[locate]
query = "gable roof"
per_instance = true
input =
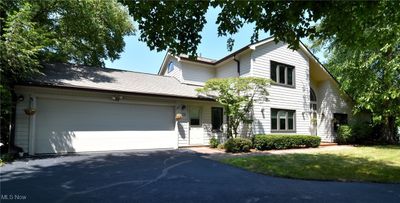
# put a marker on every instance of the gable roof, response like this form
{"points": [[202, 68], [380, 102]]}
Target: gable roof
{"points": [[66, 75], [208, 61], [251, 46]]}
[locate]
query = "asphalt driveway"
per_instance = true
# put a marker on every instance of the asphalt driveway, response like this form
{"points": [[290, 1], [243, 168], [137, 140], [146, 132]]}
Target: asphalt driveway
{"points": [[168, 176]]}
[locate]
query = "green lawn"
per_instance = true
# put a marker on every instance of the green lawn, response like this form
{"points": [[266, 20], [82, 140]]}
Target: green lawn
{"points": [[371, 164]]}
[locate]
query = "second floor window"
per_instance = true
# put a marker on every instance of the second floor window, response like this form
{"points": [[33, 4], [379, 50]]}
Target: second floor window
{"points": [[313, 100], [282, 73], [170, 66]]}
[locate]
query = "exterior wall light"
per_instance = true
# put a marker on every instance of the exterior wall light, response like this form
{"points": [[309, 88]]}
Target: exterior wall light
{"points": [[178, 117], [30, 111], [117, 98]]}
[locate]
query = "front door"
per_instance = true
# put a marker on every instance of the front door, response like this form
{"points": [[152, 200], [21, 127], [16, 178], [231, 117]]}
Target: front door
{"points": [[196, 131]]}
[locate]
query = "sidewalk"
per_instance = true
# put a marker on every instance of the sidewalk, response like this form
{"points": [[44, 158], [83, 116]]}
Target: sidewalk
{"points": [[221, 154]]}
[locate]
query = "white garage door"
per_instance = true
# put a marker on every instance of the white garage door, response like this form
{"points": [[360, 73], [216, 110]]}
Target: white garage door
{"points": [[78, 126]]}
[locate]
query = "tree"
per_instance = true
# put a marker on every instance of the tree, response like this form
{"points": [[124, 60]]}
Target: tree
{"points": [[84, 32], [368, 67], [176, 25], [31, 32], [372, 78], [363, 26], [237, 95]]}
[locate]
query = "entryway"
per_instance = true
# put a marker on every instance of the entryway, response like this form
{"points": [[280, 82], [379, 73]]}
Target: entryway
{"points": [[196, 131]]}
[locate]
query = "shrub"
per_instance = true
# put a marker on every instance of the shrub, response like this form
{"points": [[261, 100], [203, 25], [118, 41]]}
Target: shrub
{"points": [[7, 157], [220, 146], [214, 142], [235, 145], [344, 135], [361, 133], [356, 133], [266, 142]]}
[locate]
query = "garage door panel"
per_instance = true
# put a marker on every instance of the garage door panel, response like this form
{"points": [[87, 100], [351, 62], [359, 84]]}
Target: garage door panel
{"points": [[75, 126], [104, 116]]}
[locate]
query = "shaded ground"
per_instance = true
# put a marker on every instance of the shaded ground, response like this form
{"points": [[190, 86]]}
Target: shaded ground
{"points": [[168, 176]]}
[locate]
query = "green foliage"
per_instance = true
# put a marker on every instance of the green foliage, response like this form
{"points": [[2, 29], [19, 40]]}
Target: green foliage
{"points": [[366, 62], [85, 32], [237, 95], [267, 142], [220, 146], [7, 157], [235, 145], [355, 133], [344, 135], [374, 164], [288, 21], [214, 142], [172, 25], [363, 133]]}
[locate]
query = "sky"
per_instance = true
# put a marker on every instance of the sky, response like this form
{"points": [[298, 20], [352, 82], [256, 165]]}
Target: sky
{"points": [[138, 57]]}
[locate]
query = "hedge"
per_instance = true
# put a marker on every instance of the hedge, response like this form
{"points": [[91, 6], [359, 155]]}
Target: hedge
{"points": [[266, 142], [235, 145]]}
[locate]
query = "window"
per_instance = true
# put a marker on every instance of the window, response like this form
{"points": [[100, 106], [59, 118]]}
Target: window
{"points": [[282, 73], [313, 100], [338, 120], [216, 118], [194, 115], [283, 120], [170, 66]]}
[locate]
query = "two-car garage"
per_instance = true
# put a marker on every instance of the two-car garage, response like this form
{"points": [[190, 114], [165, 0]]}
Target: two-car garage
{"points": [[63, 125]]}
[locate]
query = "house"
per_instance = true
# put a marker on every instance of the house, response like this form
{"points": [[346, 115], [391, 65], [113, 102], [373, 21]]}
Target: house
{"points": [[74, 108]]}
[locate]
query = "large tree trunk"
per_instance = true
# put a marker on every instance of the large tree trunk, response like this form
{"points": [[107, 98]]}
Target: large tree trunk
{"points": [[389, 135]]}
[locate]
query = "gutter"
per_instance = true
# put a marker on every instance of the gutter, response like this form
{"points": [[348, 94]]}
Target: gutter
{"points": [[70, 87]]}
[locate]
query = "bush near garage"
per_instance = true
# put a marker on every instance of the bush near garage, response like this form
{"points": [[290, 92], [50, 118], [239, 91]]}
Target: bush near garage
{"points": [[267, 142], [236, 145]]}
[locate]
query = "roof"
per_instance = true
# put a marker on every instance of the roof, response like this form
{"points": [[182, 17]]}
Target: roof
{"points": [[250, 46], [209, 61], [105, 79]]}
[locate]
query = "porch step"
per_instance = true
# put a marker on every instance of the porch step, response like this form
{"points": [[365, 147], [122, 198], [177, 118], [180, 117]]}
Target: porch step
{"points": [[324, 144]]}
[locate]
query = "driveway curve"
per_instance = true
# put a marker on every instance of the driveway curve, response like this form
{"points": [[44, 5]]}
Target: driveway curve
{"points": [[167, 176]]}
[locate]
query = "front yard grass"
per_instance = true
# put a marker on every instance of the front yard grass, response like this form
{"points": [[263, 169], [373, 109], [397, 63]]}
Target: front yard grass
{"points": [[370, 164]]}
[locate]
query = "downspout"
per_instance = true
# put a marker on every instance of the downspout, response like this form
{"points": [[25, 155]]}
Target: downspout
{"points": [[238, 64], [12, 147]]}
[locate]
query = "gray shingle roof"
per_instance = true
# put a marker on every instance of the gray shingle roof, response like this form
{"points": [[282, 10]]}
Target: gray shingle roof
{"points": [[76, 76]]}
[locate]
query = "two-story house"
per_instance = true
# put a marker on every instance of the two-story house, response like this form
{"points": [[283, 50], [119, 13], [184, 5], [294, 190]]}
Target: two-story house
{"points": [[74, 108]]}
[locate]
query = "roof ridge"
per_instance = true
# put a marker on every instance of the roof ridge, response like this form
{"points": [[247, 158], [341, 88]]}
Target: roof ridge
{"points": [[217, 61]]}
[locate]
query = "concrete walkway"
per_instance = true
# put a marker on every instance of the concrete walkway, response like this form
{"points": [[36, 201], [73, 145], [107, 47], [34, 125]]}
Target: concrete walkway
{"points": [[221, 154]]}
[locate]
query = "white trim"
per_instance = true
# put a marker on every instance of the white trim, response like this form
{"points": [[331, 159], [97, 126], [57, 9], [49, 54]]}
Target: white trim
{"points": [[99, 99], [261, 43], [32, 126]]}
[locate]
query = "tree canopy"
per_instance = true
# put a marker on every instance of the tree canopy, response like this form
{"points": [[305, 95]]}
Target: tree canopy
{"points": [[83, 32], [176, 25], [369, 68], [237, 95]]}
